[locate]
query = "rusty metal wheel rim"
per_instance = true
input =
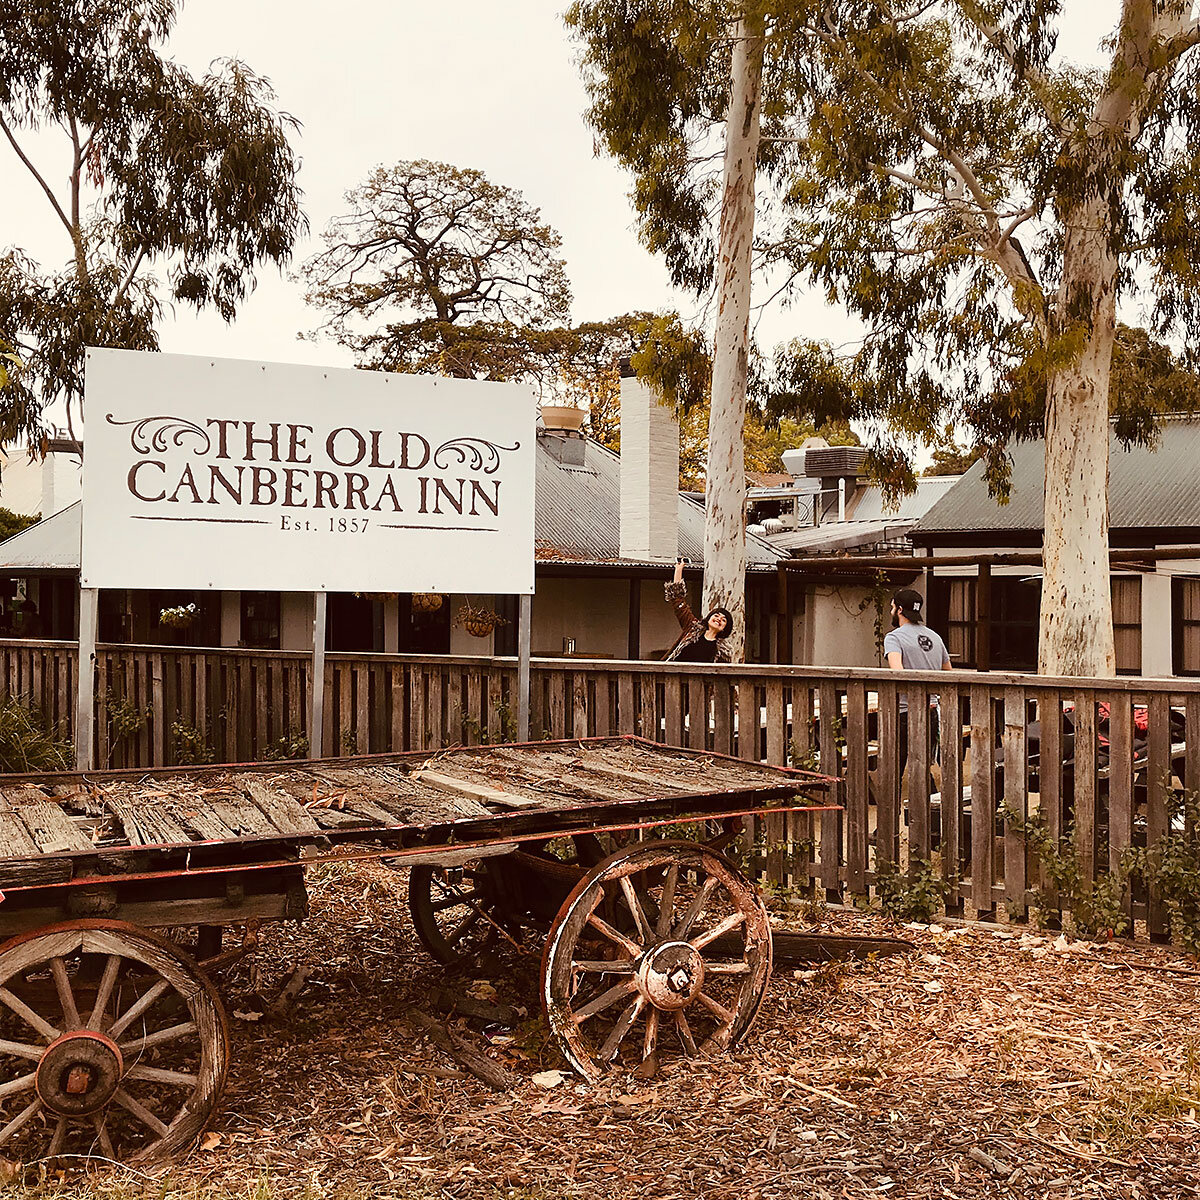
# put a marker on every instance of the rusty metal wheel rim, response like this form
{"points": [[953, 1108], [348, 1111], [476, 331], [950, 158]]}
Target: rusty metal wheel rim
{"points": [[684, 945], [100, 1073]]}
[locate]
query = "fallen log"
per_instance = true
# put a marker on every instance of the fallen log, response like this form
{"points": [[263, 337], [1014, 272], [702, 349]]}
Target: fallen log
{"points": [[792, 948], [467, 1057]]}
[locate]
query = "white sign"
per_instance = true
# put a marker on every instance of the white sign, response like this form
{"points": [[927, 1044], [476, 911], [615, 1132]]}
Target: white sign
{"points": [[215, 473]]}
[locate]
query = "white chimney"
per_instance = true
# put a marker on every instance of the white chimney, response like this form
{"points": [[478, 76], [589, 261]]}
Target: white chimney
{"points": [[649, 474]]}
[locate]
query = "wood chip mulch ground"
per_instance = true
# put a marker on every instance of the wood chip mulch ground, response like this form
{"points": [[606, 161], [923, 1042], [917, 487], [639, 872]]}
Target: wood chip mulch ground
{"points": [[989, 1062]]}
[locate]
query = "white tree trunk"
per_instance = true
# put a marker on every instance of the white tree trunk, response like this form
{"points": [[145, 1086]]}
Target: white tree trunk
{"points": [[1076, 636], [725, 493]]}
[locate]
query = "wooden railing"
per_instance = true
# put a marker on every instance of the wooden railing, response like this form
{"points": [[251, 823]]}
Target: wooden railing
{"points": [[1121, 749]]}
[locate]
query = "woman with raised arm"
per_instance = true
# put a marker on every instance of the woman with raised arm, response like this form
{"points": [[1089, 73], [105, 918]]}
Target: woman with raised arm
{"points": [[700, 641]]}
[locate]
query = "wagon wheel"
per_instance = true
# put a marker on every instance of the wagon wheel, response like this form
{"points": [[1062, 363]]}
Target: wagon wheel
{"points": [[456, 911], [112, 1044], [633, 957]]}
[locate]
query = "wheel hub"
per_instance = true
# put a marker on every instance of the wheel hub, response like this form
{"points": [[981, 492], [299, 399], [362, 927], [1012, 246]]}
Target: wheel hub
{"points": [[79, 1073], [671, 975]]}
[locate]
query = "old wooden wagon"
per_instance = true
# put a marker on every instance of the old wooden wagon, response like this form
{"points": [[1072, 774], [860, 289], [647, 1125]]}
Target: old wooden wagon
{"points": [[117, 887]]}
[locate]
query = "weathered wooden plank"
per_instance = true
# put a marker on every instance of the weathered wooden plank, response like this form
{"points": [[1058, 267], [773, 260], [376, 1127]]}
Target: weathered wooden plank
{"points": [[16, 841], [651, 728], [916, 775], [48, 825], [673, 709], [1050, 771], [748, 719], [1120, 783], [283, 811], [1085, 782], [146, 824], [887, 776], [477, 791], [558, 705], [1016, 788], [830, 823], [722, 693], [603, 702], [950, 793], [857, 812], [697, 729], [983, 798], [579, 704], [1158, 787]]}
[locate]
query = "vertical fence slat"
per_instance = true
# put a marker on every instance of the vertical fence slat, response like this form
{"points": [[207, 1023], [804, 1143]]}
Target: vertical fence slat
{"points": [[673, 694], [950, 794], [1016, 787], [855, 797], [722, 716], [887, 773], [1158, 785], [983, 803], [916, 775], [1085, 782], [1120, 782]]}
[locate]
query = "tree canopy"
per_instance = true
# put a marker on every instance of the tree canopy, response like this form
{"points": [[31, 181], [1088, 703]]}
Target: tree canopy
{"points": [[980, 204], [193, 178]]}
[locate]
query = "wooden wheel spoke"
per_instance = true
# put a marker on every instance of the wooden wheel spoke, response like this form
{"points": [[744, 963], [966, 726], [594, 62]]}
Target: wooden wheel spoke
{"points": [[605, 1000], [137, 1045], [66, 997], [139, 1110], [605, 966], [716, 1008], [20, 1120], [695, 908], [136, 1010], [108, 980], [60, 1137], [613, 1042], [726, 968], [28, 1015], [464, 927], [161, 1075], [666, 908], [454, 902], [685, 1034], [21, 1050], [729, 923], [635, 907], [601, 926], [22, 1084], [650, 1040], [102, 1136]]}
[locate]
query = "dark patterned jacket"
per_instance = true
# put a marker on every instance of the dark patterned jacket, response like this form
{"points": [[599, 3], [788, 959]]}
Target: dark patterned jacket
{"points": [[693, 628]]}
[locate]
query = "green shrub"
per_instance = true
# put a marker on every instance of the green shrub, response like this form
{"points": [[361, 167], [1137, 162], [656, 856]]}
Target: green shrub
{"points": [[1171, 867], [917, 894]]}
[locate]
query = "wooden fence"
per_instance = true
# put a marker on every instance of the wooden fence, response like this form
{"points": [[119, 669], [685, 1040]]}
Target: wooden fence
{"points": [[1104, 760]]}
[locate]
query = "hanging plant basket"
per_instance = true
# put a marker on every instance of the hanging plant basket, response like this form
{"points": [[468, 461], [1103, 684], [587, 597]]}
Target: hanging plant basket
{"points": [[378, 597], [178, 617], [478, 622], [426, 601]]}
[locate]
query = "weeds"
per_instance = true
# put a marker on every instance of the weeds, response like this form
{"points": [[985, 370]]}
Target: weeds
{"points": [[917, 894], [125, 718], [28, 742], [1097, 906], [1171, 868], [293, 744], [189, 746]]}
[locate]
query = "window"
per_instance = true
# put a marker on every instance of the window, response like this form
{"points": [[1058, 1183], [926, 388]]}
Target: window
{"points": [[960, 621], [1185, 606], [260, 620], [1127, 623]]}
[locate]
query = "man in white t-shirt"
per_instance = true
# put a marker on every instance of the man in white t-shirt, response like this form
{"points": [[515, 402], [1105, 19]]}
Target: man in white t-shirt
{"points": [[912, 646]]}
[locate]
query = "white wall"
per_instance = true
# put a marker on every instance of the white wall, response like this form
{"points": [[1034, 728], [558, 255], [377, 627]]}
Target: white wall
{"points": [[296, 621], [595, 612], [839, 628]]}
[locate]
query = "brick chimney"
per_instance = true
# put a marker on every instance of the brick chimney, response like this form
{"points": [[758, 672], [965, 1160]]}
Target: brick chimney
{"points": [[649, 474]]}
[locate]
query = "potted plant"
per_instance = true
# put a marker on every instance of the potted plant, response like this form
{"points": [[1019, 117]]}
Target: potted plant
{"points": [[478, 622], [178, 616], [426, 601]]}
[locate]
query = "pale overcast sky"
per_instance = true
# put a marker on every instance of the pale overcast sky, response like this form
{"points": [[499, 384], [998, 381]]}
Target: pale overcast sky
{"points": [[471, 82]]}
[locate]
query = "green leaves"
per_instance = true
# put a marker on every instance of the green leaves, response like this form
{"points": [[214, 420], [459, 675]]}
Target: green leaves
{"points": [[192, 178]]}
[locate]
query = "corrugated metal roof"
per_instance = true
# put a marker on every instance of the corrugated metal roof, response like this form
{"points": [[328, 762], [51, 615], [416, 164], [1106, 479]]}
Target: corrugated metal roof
{"points": [[1147, 489], [578, 520], [869, 505], [579, 512], [50, 545], [839, 535]]}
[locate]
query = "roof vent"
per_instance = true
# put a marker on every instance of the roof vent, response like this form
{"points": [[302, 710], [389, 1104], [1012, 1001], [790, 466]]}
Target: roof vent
{"points": [[832, 461], [562, 418]]}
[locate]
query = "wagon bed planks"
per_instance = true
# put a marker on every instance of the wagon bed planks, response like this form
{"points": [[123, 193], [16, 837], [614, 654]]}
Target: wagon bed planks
{"points": [[410, 800]]}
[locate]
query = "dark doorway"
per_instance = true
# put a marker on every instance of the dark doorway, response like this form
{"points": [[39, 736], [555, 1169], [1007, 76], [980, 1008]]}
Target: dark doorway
{"points": [[352, 623]]}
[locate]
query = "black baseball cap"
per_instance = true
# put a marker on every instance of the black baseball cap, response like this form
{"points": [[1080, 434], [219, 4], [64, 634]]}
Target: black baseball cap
{"points": [[910, 602]]}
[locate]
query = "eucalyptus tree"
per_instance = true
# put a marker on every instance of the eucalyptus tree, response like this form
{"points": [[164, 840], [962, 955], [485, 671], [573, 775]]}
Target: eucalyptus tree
{"points": [[169, 187], [980, 204]]}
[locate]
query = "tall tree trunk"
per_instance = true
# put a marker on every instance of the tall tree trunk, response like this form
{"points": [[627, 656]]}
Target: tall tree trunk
{"points": [[725, 493], [1076, 636]]}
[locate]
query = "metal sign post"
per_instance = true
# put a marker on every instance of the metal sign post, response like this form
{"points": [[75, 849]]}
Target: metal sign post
{"points": [[86, 677], [316, 724], [524, 621]]}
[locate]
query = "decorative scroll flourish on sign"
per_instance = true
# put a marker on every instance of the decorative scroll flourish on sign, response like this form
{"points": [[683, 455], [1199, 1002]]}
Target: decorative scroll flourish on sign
{"points": [[153, 433], [474, 453]]}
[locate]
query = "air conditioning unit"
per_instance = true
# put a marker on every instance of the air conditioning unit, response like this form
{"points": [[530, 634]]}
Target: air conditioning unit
{"points": [[831, 462]]}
